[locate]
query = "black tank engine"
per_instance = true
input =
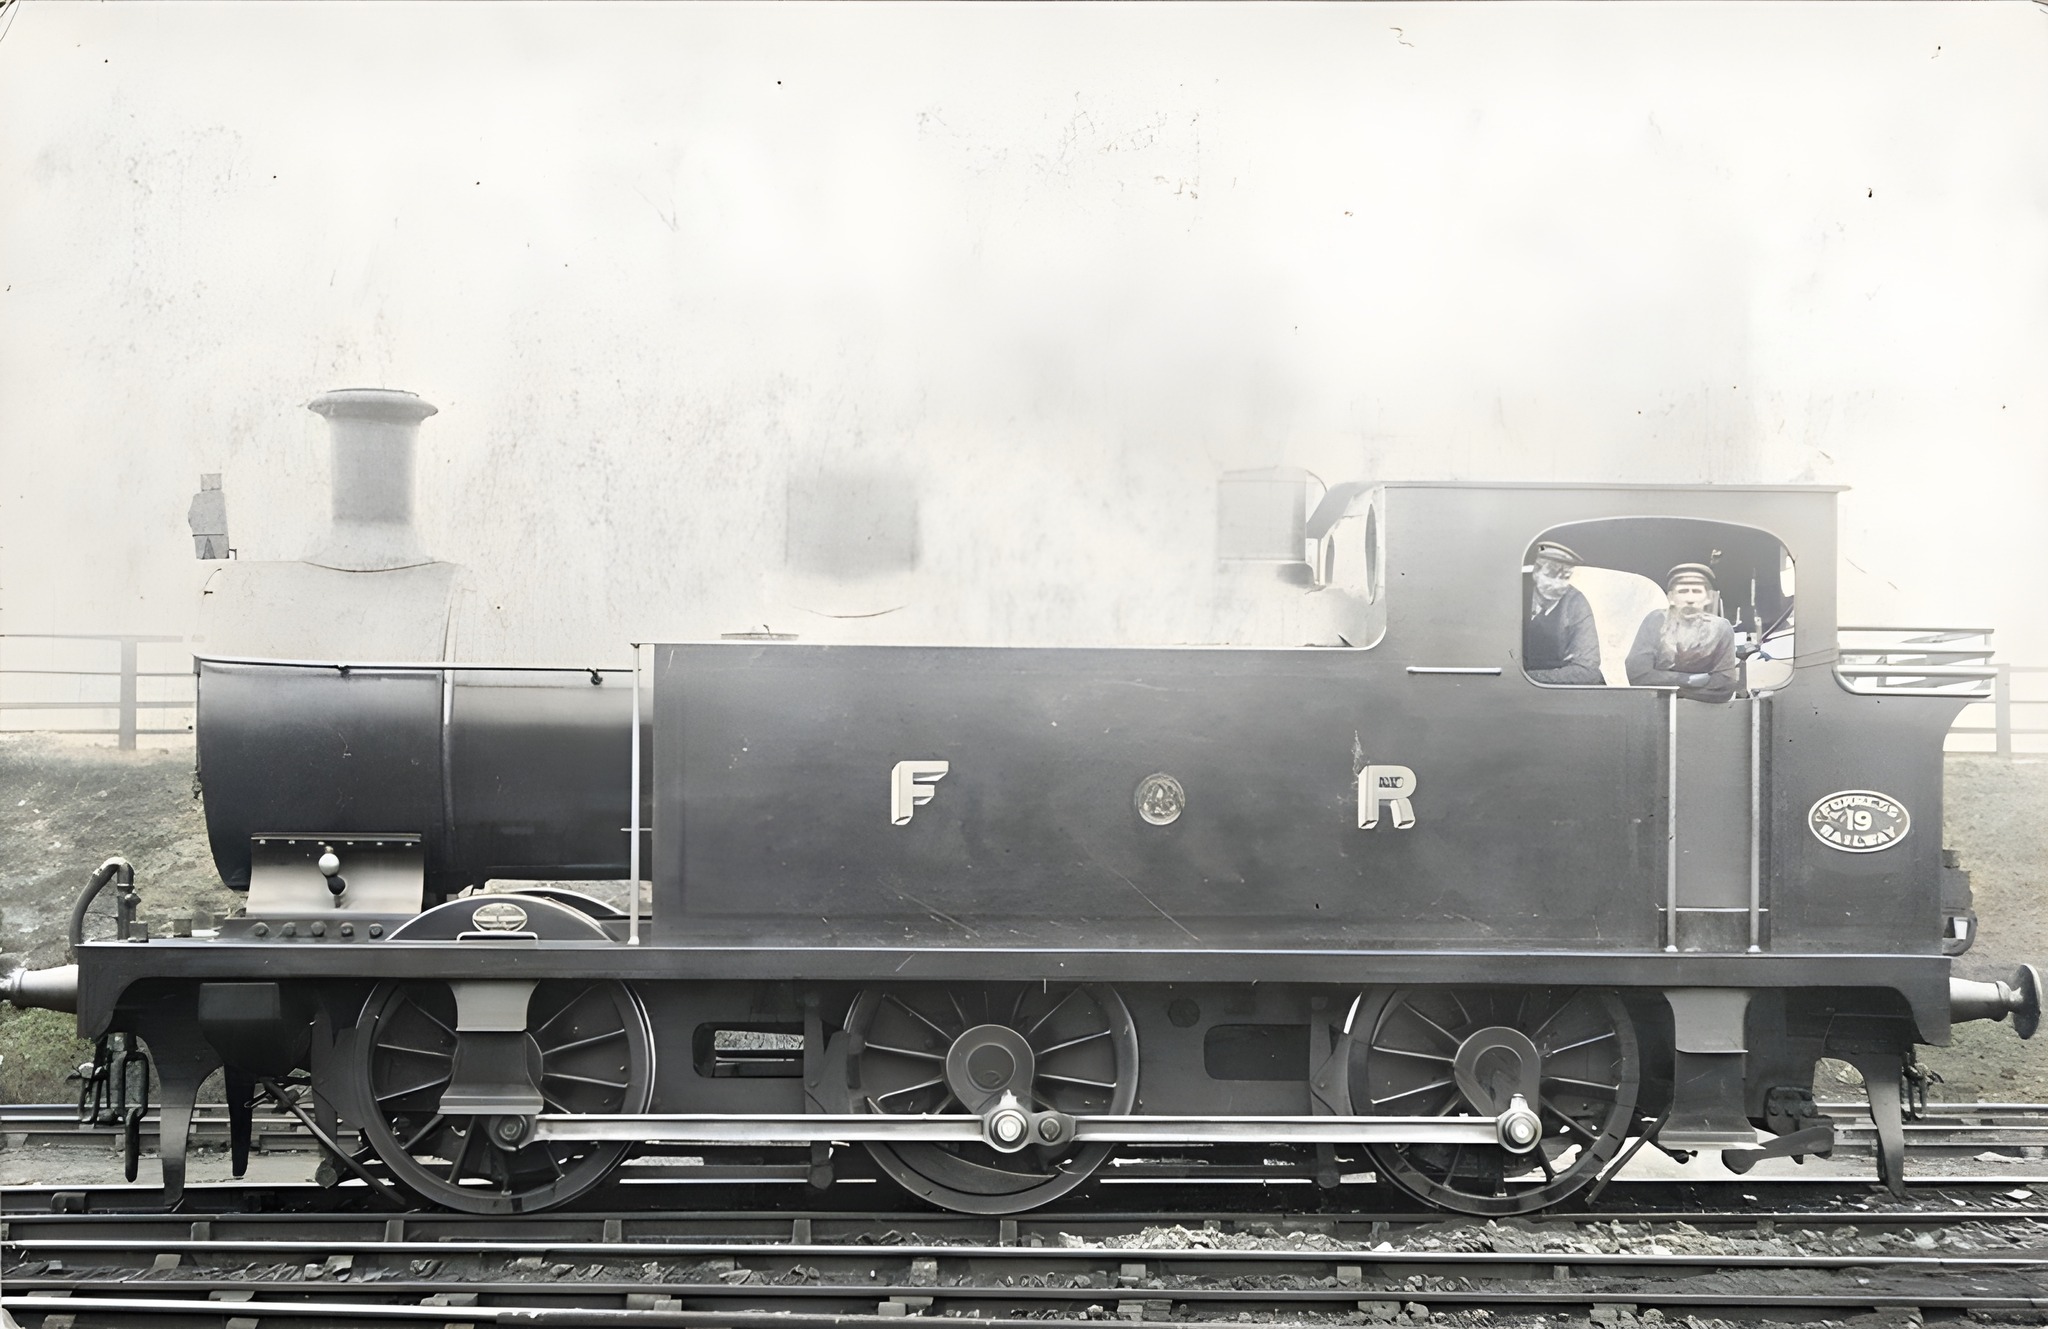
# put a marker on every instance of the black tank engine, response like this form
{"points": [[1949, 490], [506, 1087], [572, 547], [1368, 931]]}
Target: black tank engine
{"points": [[991, 914]]}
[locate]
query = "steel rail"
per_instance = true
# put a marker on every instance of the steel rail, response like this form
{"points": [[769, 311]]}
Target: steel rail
{"points": [[672, 1194], [770, 1229], [1151, 1256], [579, 1295], [253, 1311], [1131, 1278]]}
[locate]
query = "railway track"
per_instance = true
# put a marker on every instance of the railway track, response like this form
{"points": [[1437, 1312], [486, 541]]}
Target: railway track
{"points": [[1817, 1246], [1743, 1199], [28, 1125], [836, 1269]]}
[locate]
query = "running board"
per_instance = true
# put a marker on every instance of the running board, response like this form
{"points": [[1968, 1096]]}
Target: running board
{"points": [[1510, 1129]]}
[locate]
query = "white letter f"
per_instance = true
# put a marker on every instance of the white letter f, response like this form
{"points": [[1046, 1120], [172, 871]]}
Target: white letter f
{"points": [[910, 787]]}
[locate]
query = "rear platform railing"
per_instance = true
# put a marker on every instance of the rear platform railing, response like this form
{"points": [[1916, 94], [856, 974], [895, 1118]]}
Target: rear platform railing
{"points": [[1916, 662]]}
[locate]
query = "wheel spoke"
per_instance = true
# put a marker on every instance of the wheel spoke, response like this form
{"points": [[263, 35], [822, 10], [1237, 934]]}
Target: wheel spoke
{"points": [[1075, 1079], [592, 1041], [1410, 1093], [904, 1052], [1448, 1037], [497, 1168], [561, 1011], [1536, 1034], [958, 1009], [412, 1089], [461, 1154], [1574, 1047], [1071, 1043], [1571, 1123], [1463, 1013], [431, 1016], [583, 1079], [411, 1142], [1589, 1088], [1406, 1052], [436, 1053], [906, 1089], [1057, 1006], [917, 1015]]}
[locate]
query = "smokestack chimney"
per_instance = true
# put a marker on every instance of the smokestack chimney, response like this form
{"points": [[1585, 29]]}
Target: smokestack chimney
{"points": [[371, 433]]}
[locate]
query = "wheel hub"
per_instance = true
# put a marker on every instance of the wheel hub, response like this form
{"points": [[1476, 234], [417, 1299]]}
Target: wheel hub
{"points": [[510, 1132], [1496, 1063], [986, 1062]]}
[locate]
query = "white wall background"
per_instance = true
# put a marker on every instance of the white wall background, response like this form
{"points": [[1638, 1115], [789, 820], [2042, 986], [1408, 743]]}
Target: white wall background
{"points": [[1066, 263]]}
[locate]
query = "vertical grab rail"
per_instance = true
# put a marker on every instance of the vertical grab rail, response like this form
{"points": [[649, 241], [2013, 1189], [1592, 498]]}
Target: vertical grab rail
{"points": [[633, 816], [1671, 820], [1756, 782]]}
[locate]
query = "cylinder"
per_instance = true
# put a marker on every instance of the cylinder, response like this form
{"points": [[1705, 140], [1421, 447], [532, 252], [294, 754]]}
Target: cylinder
{"points": [[372, 433]]}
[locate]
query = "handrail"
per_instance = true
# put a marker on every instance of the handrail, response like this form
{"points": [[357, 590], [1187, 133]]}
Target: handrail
{"points": [[1907, 670], [416, 666], [1916, 662], [1918, 652]]}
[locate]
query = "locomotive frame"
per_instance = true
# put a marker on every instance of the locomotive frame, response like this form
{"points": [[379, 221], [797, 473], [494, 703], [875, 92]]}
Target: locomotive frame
{"points": [[1399, 898]]}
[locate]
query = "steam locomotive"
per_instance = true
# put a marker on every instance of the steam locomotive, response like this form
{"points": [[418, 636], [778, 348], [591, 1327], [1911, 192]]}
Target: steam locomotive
{"points": [[990, 914]]}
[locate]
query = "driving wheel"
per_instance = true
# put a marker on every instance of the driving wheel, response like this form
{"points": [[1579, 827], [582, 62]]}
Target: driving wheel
{"points": [[589, 1048], [1571, 1052], [1070, 1049]]}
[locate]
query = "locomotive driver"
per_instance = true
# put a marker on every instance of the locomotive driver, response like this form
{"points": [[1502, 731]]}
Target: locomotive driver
{"points": [[1686, 645], [1560, 643]]}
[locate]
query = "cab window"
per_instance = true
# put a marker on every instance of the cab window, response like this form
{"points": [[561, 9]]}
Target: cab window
{"points": [[1704, 608]]}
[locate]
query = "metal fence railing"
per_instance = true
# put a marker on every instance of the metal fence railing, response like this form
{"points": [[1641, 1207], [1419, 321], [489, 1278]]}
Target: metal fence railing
{"points": [[96, 683], [2018, 692]]}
